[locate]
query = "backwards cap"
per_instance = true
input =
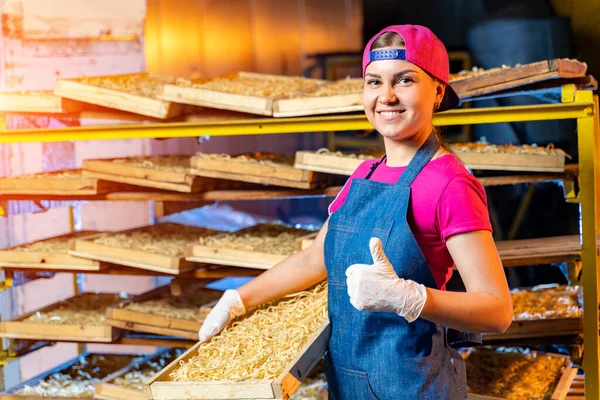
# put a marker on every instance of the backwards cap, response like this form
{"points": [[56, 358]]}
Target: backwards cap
{"points": [[423, 49]]}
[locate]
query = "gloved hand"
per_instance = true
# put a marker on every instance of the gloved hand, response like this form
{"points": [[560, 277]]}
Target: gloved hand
{"points": [[377, 287], [229, 306]]}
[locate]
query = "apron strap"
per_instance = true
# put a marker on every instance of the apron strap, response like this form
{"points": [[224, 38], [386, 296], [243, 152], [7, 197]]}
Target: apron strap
{"points": [[418, 162]]}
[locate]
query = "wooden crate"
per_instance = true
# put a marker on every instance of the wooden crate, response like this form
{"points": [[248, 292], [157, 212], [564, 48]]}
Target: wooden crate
{"points": [[345, 95], [36, 102], [236, 257], [107, 389], [62, 183], [118, 362], [198, 95], [509, 158], [551, 327], [283, 386], [246, 168], [18, 329], [497, 79], [122, 317], [328, 162], [136, 93], [137, 257], [160, 172], [49, 260], [559, 392]]}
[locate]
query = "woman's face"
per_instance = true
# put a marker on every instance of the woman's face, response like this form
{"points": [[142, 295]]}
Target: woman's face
{"points": [[399, 98]]}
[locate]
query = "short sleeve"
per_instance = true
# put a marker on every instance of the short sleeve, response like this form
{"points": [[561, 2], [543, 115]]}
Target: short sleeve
{"points": [[462, 207]]}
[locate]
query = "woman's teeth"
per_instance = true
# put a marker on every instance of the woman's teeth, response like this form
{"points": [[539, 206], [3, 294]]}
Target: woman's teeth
{"points": [[390, 113]]}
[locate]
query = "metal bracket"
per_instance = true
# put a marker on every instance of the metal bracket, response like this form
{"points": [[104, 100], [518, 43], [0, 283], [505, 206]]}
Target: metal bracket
{"points": [[568, 93]]}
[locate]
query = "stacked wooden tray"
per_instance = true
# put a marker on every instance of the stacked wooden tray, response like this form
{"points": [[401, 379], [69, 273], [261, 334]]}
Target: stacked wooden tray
{"points": [[330, 162], [512, 373], [244, 91], [159, 248], [74, 379], [129, 383], [260, 247], [49, 254], [261, 168], [136, 93], [244, 349], [79, 318], [159, 312], [160, 172], [63, 183], [36, 102], [477, 83]]}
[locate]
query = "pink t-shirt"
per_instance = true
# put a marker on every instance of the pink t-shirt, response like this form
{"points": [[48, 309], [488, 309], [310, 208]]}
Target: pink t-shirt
{"points": [[445, 200]]}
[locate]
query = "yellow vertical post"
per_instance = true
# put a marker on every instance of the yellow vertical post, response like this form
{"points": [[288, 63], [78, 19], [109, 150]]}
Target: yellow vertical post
{"points": [[587, 131]]}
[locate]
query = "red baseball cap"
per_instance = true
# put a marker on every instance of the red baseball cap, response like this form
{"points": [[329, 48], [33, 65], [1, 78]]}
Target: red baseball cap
{"points": [[423, 49]]}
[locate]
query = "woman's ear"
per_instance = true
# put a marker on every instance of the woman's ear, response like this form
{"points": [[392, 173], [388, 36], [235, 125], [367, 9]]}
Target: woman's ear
{"points": [[440, 90]]}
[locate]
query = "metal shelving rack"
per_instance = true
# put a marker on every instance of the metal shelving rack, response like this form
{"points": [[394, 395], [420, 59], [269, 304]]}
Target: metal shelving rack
{"points": [[574, 104]]}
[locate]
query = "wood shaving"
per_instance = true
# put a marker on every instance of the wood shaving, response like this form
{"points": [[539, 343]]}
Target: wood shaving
{"points": [[547, 302], [143, 371], [164, 239], [88, 309], [136, 84], [512, 373], [161, 163], [268, 159], [272, 239], [259, 86], [186, 306], [78, 380], [360, 156], [337, 88], [480, 147], [56, 245], [74, 174], [260, 345]]}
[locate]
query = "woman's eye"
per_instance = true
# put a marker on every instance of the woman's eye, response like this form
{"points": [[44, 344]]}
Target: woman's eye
{"points": [[372, 82], [405, 81]]}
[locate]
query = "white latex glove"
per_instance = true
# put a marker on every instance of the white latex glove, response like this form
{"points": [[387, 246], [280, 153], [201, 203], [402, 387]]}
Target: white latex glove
{"points": [[377, 287], [229, 306]]}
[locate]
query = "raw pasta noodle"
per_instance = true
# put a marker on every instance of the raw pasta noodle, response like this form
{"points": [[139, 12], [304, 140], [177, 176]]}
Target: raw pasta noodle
{"points": [[362, 156], [260, 345], [181, 307], [547, 302], [161, 163], [142, 372], [74, 174], [164, 239], [337, 88], [78, 380], [272, 239], [86, 310], [57, 245], [140, 85], [261, 86], [482, 147], [513, 373], [268, 159]]}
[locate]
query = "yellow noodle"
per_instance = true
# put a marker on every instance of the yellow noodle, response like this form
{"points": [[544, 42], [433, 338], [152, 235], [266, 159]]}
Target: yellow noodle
{"points": [[85, 310], [261, 86], [181, 307], [160, 163], [543, 303], [268, 159]]}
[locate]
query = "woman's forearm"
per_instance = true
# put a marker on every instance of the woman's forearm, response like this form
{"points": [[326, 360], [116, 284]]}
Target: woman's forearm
{"points": [[468, 311]]}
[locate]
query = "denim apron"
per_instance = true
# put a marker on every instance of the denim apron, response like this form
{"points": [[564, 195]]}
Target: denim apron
{"points": [[378, 355]]}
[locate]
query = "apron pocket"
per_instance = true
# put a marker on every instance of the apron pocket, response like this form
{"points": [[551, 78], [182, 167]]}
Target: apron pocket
{"points": [[347, 384]]}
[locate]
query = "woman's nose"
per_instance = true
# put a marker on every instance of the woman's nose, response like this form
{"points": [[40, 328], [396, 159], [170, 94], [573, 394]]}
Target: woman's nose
{"points": [[387, 95]]}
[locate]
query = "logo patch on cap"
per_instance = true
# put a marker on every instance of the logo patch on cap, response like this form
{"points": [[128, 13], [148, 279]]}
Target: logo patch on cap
{"points": [[387, 54]]}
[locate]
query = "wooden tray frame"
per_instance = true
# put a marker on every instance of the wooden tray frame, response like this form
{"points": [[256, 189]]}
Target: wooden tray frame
{"points": [[83, 186], [130, 258], [525, 329], [151, 107], [559, 393], [50, 261], [281, 387], [37, 102], [512, 162], [303, 106], [223, 100], [327, 163], [184, 182], [233, 257], [120, 317], [15, 329]]}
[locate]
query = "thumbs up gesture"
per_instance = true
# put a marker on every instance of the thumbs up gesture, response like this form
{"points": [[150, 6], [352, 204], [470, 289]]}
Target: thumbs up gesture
{"points": [[376, 287]]}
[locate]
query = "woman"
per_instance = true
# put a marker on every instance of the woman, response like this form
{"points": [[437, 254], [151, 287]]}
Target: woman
{"points": [[395, 232]]}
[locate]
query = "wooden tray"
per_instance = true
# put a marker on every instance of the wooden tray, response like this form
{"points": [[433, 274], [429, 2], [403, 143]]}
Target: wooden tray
{"points": [[62, 183], [283, 386], [121, 317], [335, 97], [199, 96], [47, 260], [122, 92], [178, 178], [235, 257], [559, 392], [63, 368], [327, 162], [551, 327], [17, 329], [106, 389], [36, 102], [497, 79], [87, 248], [508, 159], [280, 174]]}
